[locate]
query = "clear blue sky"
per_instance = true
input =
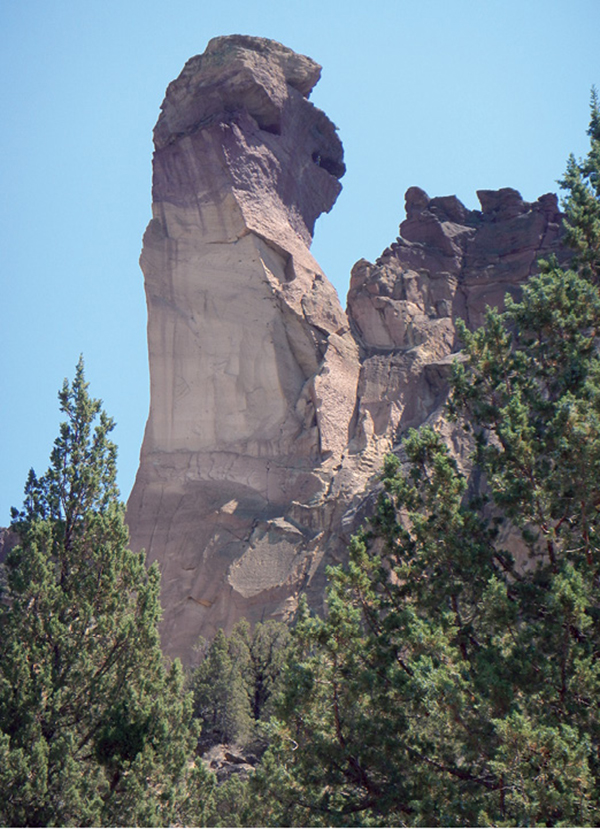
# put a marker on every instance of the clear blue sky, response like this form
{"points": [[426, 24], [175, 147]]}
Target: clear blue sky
{"points": [[451, 96]]}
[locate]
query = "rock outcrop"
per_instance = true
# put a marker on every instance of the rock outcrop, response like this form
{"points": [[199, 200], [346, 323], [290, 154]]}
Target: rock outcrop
{"points": [[253, 367], [8, 541], [271, 408], [447, 262]]}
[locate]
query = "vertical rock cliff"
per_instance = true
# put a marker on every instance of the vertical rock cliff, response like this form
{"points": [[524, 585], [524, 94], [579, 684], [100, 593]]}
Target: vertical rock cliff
{"points": [[253, 368], [271, 408]]}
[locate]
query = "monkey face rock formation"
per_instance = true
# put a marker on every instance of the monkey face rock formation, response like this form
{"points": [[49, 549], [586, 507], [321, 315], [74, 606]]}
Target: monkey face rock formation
{"points": [[253, 368], [271, 409]]}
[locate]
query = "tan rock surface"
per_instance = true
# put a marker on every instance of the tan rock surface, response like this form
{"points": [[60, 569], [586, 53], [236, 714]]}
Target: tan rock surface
{"points": [[271, 409], [253, 368], [447, 262]]}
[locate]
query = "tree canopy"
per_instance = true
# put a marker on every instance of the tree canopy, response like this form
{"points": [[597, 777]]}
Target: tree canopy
{"points": [[455, 679], [94, 729]]}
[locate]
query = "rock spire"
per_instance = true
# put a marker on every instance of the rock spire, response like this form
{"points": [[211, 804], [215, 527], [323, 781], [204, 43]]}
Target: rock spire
{"points": [[253, 368], [271, 408]]}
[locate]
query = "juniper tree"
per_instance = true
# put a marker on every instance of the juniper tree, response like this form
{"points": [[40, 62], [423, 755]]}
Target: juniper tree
{"points": [[236, 679], [220, 699], [455, 682], [94, 729]]}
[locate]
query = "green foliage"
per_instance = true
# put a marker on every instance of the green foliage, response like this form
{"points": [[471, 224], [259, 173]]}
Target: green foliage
{"points": [[582, 208], [454, 682], [235, 681], [94, 730], [233, 802], [234, 689], [220, 699]]}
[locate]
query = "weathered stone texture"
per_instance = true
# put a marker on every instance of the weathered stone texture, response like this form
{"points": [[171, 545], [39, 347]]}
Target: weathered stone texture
{"points": [[253, 367], [271, 409], [447, 262], [8, 541]]}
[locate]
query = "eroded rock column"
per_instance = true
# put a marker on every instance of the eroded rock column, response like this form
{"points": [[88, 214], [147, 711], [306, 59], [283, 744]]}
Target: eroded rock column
{"points": [[253, 369]]}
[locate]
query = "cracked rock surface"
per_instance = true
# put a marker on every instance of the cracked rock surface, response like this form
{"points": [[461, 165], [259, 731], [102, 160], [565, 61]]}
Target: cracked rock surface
{"points": [[253, 367], [447, 262], [271, 408]]}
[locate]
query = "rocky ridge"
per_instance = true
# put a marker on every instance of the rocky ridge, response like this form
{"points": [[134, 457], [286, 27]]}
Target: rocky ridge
{"points": [[272, 408], [447, 263]]}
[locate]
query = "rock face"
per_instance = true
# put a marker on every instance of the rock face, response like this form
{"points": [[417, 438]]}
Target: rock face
{"points": [[8, 541], [447, 262], [253, 367], [271, 409]]}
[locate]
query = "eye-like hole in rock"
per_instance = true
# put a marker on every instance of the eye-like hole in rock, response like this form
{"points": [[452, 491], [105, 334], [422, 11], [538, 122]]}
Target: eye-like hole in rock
{"points": [[274, 129], [333, 167]]}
